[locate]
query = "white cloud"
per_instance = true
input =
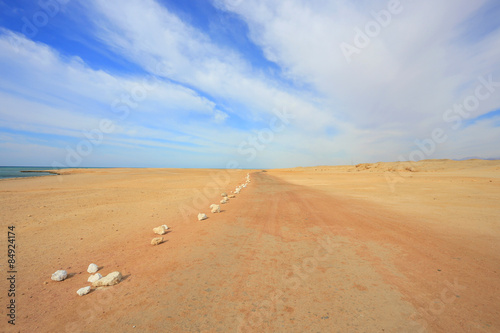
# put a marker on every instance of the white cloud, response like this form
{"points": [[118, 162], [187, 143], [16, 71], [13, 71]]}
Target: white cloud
{"points": [[220, 116], [44, 93], [163, 41], [399, 85]]}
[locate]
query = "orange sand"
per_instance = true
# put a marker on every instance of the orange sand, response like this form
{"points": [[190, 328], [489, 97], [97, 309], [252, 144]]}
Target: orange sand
{"points": [[322, 249]]}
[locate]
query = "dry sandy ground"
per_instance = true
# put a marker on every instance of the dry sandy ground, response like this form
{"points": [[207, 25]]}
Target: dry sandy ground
{"points": [[326, 249]]}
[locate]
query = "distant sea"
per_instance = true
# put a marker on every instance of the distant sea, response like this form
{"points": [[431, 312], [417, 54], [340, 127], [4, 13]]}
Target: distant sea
{"points": [[15, 172]]}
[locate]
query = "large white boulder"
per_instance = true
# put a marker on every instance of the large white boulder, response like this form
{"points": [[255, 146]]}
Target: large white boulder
{"points": [[59, 275], [92, 268], [109, 280], [202, 217], [83, 291]]}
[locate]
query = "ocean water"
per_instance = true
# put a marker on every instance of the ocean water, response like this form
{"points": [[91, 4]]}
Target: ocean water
{"points": [[15, 172]]}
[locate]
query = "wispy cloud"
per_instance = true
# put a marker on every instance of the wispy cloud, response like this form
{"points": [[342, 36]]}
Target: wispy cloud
{"points": [[400, 85]]}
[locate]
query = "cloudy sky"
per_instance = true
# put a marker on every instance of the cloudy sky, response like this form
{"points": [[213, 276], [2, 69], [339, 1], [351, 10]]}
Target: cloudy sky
{"points": [[247, 83]]}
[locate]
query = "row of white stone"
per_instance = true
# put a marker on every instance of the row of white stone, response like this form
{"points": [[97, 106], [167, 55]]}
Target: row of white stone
{"points": [[115, 277], [215, 208]]}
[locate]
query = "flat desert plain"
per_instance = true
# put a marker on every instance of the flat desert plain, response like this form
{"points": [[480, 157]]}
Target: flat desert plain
{"points": [[382, 247]]}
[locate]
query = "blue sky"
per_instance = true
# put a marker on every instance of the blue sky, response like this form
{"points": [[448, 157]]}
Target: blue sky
{"points": [[251, 83]]}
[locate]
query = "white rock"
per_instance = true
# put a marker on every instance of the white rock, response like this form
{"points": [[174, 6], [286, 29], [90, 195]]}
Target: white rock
{"points": [[83, 291], [202, 216], [237, 191], [224, 201], [160, 230], [165, 226], [109, 280], [215, 208], [60, 275], [94, 278], [232, 196], [92, 268], [224, 194]]}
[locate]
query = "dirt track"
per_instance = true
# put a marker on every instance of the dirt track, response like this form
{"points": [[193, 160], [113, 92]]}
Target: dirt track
{"points": [[280, 258]]}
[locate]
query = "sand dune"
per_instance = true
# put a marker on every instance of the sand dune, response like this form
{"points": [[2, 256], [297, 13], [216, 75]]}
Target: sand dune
{"points": [[305, 249]]}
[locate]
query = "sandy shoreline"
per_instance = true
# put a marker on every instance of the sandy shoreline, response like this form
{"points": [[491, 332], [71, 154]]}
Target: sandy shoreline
{"points": [[207, 275]]}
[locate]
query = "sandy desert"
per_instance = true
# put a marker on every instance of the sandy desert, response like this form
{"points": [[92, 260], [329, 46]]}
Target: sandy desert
{"points": [[381, 247]]}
